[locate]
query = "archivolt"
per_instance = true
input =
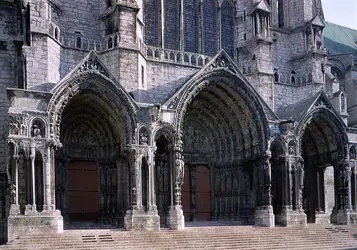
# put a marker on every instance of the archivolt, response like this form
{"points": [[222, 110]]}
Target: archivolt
{"points": [[229, 111], [326, 133], [120, 107]]}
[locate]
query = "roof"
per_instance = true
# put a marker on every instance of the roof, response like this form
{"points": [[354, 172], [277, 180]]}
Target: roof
{"points": [[166, 90], [263, 6], [340, 40], [296, 111], [318, 21]]}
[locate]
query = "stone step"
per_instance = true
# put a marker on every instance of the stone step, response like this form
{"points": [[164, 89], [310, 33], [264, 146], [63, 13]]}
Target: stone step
{"points": [[201, 245], [227, 237]]}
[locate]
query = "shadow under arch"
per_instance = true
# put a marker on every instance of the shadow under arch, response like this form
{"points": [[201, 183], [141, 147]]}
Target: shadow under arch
{"points": [[323, 145], [123, 107], [232, 95]]}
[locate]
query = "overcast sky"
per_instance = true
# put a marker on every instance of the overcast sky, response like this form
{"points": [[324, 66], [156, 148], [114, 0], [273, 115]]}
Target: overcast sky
{"points": [[343, 12]]}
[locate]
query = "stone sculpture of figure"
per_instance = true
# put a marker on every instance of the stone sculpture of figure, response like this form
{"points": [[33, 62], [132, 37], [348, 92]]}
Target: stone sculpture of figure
{"points": [[291, 150], [143, 139], [344, 176], [13, 193], [36, 131], [180, 169]]}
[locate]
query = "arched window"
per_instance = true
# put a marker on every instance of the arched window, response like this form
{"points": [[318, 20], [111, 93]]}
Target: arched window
{"points": [[209, 27], [191, 22], [56, 33], [172, 24], [110, 43], [293, 78], [337, 73], [280, 13], [276, 76], [78, 42], [152, 22], [227, 26]]}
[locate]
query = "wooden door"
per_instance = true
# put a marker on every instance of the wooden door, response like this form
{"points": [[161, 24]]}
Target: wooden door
{"points": [[203, 193], [82, 190]]}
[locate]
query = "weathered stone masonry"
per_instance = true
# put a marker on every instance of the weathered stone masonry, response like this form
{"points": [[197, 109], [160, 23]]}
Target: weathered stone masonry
{"points": [[123, 96]]}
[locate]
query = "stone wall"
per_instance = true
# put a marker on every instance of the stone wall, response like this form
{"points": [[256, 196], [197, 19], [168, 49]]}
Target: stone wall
{"points": [[10, 48], [161, 78], [11, 40], [37, 60], [80, 16], [285, 94], [8, 66]]}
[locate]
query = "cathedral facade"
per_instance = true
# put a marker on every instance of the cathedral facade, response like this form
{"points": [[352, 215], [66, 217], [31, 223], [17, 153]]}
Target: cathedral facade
{"points": [[144, 114]]}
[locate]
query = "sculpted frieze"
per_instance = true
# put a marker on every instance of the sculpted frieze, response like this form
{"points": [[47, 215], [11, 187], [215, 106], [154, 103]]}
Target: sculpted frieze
{"points": [[18, 125], [92, 64], [222, 61]]}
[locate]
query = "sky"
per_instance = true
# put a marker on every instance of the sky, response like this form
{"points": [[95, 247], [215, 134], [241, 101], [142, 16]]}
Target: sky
{"points": [[343, 12]]}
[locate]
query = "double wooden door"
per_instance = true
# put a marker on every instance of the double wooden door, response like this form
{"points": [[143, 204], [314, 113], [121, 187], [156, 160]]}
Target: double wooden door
{"points": [[82, 191]]}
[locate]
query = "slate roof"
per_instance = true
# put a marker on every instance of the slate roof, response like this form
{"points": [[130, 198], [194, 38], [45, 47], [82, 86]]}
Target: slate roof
{"points": [[165, 91], [340, 40], [296, 111]]}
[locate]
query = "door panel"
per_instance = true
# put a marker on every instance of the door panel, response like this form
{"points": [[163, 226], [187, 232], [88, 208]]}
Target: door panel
{"points": [[203, 193], [82, 190]]}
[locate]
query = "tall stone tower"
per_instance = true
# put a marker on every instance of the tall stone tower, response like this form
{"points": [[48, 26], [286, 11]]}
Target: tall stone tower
{"points": [[296, 31], [254, 45]]}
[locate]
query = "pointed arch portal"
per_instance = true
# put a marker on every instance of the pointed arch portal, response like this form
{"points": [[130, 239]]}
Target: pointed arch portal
{"points": [[94, 123], [224, 136], [323, 140]]}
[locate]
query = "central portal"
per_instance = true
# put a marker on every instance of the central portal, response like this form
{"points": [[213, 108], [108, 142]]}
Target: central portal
{"points": [[82, 191]]}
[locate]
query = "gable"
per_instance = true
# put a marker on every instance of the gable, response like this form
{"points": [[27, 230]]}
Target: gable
{"points": [[297, 111], [222, 62], [263, 6], [90, 64]]}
